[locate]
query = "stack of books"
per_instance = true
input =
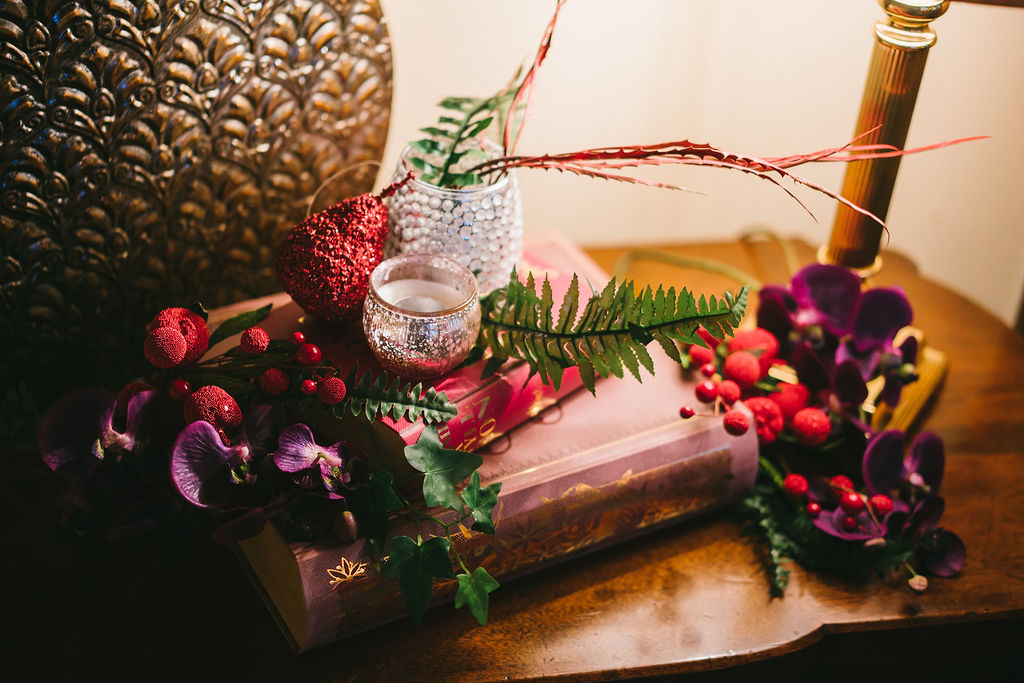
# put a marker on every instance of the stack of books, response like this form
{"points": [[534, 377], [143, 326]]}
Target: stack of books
{"points": [[579, 472]]}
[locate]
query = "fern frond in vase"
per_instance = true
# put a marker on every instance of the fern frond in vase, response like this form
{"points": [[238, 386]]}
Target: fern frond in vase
{"points": [[607, 337]]}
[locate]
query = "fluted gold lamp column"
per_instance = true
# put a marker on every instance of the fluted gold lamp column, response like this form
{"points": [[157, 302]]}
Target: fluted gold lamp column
{"points": [[894, 77]]}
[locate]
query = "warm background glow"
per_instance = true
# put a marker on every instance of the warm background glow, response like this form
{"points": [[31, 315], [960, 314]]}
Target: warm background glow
{"points": [[749, 76]]}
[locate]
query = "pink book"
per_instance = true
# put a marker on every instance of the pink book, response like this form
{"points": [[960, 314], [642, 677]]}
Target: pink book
{"points": [[487, 407], [586, 473]]}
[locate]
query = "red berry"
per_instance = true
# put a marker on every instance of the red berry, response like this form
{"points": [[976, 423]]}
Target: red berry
{"points": [[216, 406], [841, 483], [308, 387], [165, 347], [882, 505], [814, 510], [757, 339], [298, 338], [851, 502], [700, 355], [795, 485], [708, 370], [811, 426], [179, 389], [687, 412], [767, 418], [331, 390], [791, 398], [742, 367], [706, 392], [736, 422], [254, 341], [728, 391], [274, 381], [190, 324], [849, 523], [308, 354]]}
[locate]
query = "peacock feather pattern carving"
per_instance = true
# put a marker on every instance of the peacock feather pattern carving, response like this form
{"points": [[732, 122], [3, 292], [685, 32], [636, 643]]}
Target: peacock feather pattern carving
{"points": [[155, 151]]}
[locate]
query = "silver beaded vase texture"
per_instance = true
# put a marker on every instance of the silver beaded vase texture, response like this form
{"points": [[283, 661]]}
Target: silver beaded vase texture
{"points": [[480, 227], [155, 151]]}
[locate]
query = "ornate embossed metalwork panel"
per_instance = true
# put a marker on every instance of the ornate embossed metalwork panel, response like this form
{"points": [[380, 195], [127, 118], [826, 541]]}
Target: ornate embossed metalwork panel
{"points": [[155, 151]]}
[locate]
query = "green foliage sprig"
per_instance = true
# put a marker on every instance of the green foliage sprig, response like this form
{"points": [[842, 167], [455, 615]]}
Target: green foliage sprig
{"points": [[609, 334]]}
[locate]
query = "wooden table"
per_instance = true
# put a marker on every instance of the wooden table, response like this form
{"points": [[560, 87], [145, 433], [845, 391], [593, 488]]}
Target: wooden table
{"points": [[691, 598]]}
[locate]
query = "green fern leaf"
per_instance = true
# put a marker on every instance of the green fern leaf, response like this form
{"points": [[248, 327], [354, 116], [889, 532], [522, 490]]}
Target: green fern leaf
{"points": [[370, 396], [609, 336]]}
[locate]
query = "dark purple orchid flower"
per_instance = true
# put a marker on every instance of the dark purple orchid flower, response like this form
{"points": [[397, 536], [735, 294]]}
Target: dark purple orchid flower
{"points": [[881, 313], [298, 451], [80, 427], [840, 387], [939, 551], [819, 299], [204, 469], [868, 527], [884, 467]]}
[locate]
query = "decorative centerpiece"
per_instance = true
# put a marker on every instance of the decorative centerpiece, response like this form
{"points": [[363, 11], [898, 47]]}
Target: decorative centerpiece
{"points": [[271, 428]]}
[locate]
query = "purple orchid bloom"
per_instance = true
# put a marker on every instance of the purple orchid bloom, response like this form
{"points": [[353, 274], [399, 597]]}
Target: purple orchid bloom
{"points": [[868, 527], [298, 451], [204, 469], [881, 313], [841, 388], [820, 299], [939, 551], [884, 467], [80, 427]]}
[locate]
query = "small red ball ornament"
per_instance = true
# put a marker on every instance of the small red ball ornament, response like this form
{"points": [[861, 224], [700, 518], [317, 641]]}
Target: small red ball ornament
{"points": [[706, 392], [325, 262], [274, 381], [736, 422], [882, 505], [849, 523], [308, 387], [841, 484], [190, 324], [728, 391], [708, 370], [767, 418], [742, 367], [308, 354], [699, 355], [687, 412], [179, 389], [165, 347], [254, 341], [331, 390], [851, 502], [298, 338], [791, 399], [813, 510], [216, 406], [795, 486], [811, 426]]}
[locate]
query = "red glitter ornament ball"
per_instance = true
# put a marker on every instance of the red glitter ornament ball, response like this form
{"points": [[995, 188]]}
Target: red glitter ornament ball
{"points": [[165, 347], [811, 426], [701, 355], [767, 418], [736, 422], [254, 341], [791, 399], [757, 340], [274, 381], [216, 406], [325, 262], [728, 391], [795, 486], [742, 367], [331, 390], [192, 327]]}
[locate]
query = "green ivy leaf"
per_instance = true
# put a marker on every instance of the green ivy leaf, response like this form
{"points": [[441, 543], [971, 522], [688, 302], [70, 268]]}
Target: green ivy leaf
{"points": [[371, 504], [239, 323], [481, 503], [442, 468], [473, 591], [415, 565]]}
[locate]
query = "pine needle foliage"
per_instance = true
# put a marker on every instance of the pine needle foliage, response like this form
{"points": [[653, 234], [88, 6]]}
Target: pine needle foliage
{"points": [[607, 336], [370, 395]]}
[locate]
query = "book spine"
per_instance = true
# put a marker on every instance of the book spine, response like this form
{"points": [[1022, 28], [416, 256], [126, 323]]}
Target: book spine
{"points": [[540, 525]]}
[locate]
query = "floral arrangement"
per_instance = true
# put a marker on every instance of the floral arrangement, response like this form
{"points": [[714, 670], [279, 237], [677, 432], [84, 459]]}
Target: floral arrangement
{"points": [[258, 431], [833, 494]]}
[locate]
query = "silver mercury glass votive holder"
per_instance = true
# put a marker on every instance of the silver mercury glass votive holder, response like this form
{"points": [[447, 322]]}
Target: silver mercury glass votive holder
{"points": [[422, 314], [481, 227]]}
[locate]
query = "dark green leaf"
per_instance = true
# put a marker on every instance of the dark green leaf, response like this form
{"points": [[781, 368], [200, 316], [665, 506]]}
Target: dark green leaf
{"points": [[442, 468], [436, 132], [239, 323], [481, 503], [462, 179], [473, 591], [415, 565], [426, 146], [421, 165], [371, 504]]}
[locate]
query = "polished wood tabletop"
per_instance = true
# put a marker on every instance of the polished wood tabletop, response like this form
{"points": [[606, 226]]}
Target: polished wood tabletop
{"points": [[690, 598]]}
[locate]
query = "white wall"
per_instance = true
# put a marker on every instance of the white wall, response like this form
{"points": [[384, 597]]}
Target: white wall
{"points": [[759, 77]]}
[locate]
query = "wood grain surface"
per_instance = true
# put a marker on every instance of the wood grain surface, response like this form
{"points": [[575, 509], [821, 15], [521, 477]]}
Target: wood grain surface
{"points": [[691, 598]]}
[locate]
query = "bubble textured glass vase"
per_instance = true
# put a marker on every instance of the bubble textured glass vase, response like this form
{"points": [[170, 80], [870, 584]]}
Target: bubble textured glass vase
{"points": [[480, 227], [422, 314]]}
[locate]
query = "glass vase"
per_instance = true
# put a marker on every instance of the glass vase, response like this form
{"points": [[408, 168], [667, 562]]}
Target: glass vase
{"points": [[481, 227], [421, 315]]}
